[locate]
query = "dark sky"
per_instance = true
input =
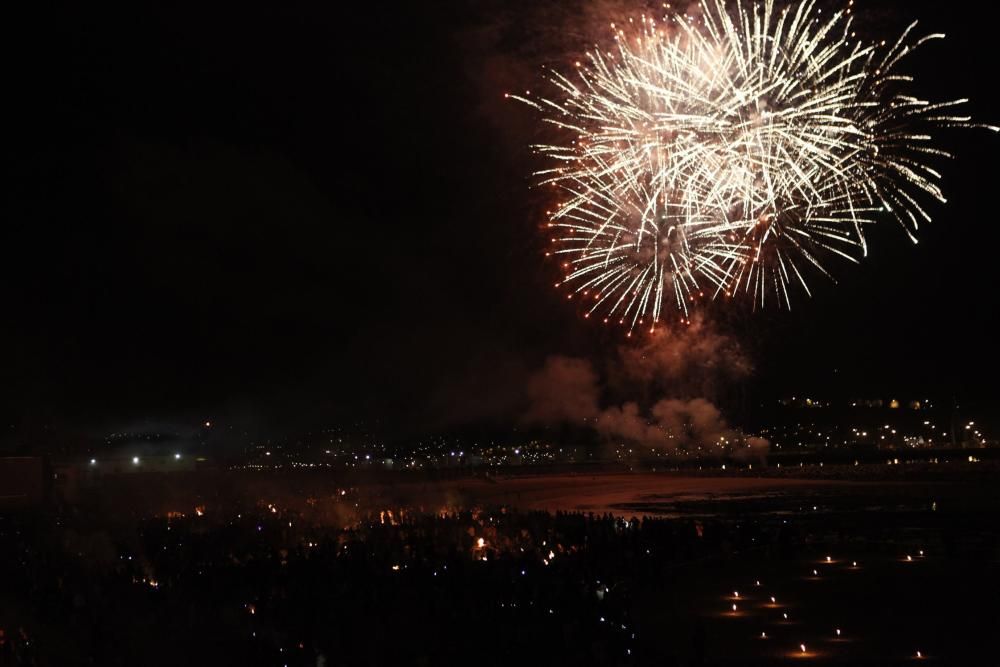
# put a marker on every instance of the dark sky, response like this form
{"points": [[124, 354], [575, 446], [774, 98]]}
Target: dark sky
{"points": [[305, 212]]}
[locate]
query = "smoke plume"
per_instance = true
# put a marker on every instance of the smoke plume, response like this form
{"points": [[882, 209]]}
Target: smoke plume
{"points": [[657, 395], [564, 390]]}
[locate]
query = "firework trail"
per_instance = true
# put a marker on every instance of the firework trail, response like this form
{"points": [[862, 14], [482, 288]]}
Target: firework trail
{"points": [[727, 154]]}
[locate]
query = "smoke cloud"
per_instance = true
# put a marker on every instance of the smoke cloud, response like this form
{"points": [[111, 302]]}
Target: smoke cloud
{"points": [[692, 361], [656, 395], [564, 390]]}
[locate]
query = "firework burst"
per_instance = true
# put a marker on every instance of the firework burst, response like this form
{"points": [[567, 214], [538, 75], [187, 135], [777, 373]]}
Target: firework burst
{"points": [[728, 154]]}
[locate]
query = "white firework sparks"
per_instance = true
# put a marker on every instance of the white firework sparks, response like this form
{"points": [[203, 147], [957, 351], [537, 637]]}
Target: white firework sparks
{"points": [[726, 154]]}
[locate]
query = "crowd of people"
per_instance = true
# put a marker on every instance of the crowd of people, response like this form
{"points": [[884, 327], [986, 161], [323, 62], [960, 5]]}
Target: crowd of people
{"points": [[270, 585], [400, 586]]}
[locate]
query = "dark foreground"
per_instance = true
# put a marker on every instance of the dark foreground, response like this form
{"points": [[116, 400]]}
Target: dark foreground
{"points": [[336, 579]]}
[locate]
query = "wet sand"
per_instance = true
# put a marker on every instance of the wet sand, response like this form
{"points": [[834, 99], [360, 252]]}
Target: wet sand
{"points": [[617, 493]]}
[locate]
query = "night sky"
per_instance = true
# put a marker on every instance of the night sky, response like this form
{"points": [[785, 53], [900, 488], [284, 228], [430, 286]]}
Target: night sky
{"points": [[298, 213]]}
